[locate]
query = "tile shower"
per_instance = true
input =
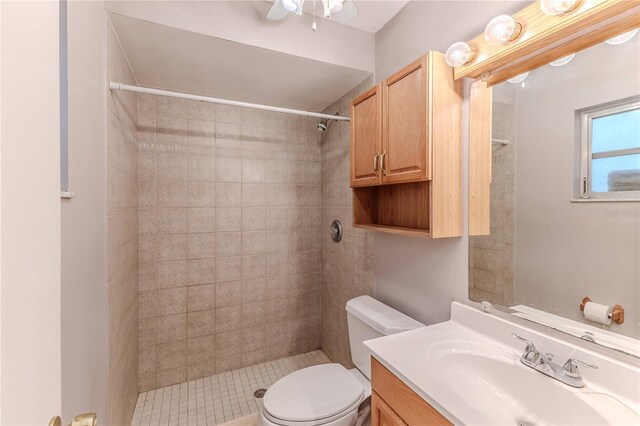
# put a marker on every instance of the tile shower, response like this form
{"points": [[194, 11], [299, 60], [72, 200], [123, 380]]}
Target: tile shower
{"points": [[347, 267], [122, 236], [229, 244], [235, 263]]}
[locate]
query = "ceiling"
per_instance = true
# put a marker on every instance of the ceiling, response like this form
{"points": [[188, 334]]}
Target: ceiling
{"points": [[175, 59], [372, 14]]}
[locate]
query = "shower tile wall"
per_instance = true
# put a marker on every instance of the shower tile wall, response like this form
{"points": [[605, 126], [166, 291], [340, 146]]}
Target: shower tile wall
{"points": [[122, 235], [347, 266], [230, 239], [491, 257]]}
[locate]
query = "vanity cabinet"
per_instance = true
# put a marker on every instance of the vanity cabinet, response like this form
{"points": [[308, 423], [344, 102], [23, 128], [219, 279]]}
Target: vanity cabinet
{"points": [[406, 153], [393, 403]]}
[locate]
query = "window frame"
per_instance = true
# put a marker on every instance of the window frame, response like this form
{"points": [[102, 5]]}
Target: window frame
{"points": [[586, 118]]}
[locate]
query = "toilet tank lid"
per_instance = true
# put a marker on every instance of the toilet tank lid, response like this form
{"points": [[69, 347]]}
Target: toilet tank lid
{"points": [[381, 317]]}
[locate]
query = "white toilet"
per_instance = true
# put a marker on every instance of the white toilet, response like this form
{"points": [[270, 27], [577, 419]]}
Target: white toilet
{"points": [[329, 394]]}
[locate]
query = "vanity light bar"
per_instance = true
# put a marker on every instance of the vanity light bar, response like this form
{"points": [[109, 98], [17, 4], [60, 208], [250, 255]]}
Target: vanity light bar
{"points": [[529, 39]]}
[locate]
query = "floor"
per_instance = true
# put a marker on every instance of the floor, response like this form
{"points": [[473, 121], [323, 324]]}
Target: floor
{"points": [[219, 398]]}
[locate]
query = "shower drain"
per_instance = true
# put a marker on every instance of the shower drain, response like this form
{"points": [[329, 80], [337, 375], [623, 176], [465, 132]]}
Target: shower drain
{"points": [[259, 393]]}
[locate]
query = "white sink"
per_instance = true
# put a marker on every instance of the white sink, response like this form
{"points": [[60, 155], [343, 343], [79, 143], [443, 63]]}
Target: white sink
{"points": [[473, 378]]}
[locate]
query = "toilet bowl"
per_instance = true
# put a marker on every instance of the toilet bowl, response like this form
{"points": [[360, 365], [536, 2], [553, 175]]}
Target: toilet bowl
{"points": [[329, 394]]}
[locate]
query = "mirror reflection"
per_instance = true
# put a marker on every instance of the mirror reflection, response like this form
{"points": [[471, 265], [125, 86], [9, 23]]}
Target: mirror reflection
{"points": [[565, 191]]}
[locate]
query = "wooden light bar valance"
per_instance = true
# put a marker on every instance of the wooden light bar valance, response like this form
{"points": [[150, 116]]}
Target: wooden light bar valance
{"points": [[546, 38]]}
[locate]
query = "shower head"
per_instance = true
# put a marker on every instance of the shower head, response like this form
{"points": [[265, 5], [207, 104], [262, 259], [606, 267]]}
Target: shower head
{"points": [[323, 125]]}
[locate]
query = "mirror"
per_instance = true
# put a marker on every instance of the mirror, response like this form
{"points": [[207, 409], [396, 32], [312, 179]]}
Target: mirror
{"points": [[565, 195]]}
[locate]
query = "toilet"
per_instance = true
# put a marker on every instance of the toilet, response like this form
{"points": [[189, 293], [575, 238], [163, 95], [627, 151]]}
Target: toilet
{"points": [[329, 394]]}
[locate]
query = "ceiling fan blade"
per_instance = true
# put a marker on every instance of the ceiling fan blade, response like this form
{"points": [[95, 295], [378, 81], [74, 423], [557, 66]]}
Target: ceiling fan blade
{"points": [[349, 11], [277, 11]]}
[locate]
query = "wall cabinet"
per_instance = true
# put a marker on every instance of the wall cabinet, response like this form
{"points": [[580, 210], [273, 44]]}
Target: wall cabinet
{"points": [[404, 124], [366, 128], [406, 169], [394, 404]]}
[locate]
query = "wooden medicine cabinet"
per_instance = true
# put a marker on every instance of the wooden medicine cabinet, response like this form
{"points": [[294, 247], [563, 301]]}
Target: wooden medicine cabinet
{"points": [[406, 166]]}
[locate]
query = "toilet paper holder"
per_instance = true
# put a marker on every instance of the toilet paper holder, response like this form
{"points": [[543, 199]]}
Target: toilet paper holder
{"points": [[617, 313]]}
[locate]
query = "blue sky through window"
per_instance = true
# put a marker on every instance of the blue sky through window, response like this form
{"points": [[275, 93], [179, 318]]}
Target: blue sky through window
{"points": [[613, 132], [616, 131]]}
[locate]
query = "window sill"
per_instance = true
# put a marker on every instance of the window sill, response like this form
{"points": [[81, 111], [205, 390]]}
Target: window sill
{"points": [[604, 200]]}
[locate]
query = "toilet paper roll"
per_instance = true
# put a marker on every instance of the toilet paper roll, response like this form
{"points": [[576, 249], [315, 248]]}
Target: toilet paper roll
{"points": [[598, 313]]}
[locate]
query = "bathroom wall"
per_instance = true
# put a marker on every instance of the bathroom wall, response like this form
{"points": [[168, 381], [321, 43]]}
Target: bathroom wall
{"points": [[84, 223], [229, 238], [492, 257], [347, 266], [30, 366], [422, 277], [122, 238]]}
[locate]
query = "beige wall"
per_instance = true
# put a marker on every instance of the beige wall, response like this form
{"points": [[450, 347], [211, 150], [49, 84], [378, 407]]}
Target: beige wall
{"points": [[347, 266], [84, 224], [229, 242], [30, 359], [122, 238], [422, 277], [566, 251]]}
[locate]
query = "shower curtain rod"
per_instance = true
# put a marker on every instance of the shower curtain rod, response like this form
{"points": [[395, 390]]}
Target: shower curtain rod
{"points": [[151, 91]]}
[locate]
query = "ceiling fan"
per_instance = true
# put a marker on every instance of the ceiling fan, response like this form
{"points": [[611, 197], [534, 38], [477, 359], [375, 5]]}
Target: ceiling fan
{"points": [[343, 10]]}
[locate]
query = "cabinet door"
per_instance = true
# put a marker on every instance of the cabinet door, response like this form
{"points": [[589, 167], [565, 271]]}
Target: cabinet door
{"points": [[366, 137], [404, 129], [382, 414]]}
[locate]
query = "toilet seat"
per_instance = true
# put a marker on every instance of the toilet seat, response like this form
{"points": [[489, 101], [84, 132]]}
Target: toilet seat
{"points": [[312, 396]]}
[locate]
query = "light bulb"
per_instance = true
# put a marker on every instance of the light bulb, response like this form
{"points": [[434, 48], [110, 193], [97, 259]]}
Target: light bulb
{"points": [[335, 5], [562, 61], [557, 7], [459, 54], [502, 29], [290, 5], [518, 78], [622, 38]]}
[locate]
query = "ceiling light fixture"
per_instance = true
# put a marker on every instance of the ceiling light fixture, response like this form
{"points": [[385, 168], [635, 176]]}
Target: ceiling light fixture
{"points": [[290, 5], [459, 53], [335, 5], [331, 6], [558, 7], [518, 78], [622, 38], [562, 61], [502, 29]]}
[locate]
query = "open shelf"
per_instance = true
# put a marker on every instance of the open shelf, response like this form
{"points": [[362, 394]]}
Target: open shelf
{"points": [[400, 209]]}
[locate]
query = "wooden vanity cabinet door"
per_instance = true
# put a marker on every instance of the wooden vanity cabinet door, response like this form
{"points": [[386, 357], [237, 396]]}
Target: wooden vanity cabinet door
{"points": [[366, 137], [404, 124], [408, 405], [382, 414]]}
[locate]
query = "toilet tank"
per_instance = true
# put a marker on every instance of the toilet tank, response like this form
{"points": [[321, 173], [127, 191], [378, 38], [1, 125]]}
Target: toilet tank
{"points": [[367, 319]]}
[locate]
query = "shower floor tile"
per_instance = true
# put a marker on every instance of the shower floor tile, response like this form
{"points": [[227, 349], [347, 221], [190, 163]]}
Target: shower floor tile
{"points": [[216, 399]]}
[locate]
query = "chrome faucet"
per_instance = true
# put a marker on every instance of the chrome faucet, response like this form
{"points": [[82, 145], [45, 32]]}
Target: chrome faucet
{"points": [[568, 374]]}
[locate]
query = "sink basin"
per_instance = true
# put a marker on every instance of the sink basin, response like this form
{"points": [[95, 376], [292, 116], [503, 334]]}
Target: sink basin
{"points": [[490, 376], [477, 378]]}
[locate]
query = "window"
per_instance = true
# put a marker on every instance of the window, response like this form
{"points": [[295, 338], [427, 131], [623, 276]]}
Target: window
{"points": [[610, 150]]}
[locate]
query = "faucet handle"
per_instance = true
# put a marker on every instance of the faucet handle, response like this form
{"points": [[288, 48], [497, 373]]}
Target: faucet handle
{"points": [[530, 346], [571, 367]]}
